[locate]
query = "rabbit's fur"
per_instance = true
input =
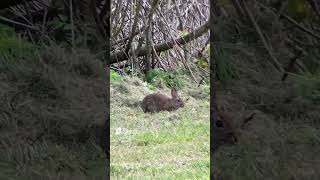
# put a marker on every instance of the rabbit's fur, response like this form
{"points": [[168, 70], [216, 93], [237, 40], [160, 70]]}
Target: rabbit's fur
{"points": [[157, 102], [224, 132]]}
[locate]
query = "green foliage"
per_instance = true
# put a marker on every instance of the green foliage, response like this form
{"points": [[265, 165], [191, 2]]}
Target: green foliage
{"points": [[225, 69], [206, 90], [13, 48], [152, 74], [17, 56], [151, 87], [160, 78], [58, 23], [202, 62], [114, 76]]}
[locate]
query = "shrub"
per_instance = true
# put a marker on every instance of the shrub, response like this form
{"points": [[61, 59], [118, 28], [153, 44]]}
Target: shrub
{"points": [[114, 76], [159, 78]]}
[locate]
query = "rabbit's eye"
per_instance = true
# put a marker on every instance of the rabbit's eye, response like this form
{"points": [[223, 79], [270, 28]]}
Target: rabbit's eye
{"points": [[219, 123]]}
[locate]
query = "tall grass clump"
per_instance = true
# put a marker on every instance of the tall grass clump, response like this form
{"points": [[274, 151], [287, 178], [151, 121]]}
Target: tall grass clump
{"points": [[225, 69], [16, 54], [13, 46]]}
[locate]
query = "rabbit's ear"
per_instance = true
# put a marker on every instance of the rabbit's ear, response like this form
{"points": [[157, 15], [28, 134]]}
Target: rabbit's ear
{"points": [[174, 92]]}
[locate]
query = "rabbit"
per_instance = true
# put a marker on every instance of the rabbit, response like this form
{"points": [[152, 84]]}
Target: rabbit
{"points": [[224, 132], [157, 102]]}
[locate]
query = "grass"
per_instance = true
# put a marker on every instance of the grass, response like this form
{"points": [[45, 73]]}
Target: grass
{"points": [[165, 145], [283, 139], [48, 131]]}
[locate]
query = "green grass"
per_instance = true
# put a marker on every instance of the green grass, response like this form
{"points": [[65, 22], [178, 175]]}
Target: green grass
{"points": [[13, 48], [185, 132], [159, 78], [165, 145], [114, 76]]}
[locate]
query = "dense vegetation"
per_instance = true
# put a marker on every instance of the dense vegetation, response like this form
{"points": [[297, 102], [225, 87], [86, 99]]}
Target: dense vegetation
{"points": [[52, 95], [267, 62]]}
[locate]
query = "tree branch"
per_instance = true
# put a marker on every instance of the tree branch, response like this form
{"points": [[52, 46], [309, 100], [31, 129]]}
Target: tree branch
{"points": [[121, 56]]}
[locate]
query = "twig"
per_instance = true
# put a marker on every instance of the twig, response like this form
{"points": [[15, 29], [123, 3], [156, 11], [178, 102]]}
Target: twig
{"points": [[18, 23], [274, 60], [292, 21], [185, 63], [72, 24], [43, 23], [26, 7], [120, 56], [246, 120]]}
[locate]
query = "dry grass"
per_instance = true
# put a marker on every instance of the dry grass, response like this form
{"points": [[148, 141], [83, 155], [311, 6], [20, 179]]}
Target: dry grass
{"points": [[48, 114]]}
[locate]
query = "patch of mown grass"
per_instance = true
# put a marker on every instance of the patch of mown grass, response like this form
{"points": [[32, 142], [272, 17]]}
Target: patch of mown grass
{"points": [[165, 145], [183, 132], [195, 170]]}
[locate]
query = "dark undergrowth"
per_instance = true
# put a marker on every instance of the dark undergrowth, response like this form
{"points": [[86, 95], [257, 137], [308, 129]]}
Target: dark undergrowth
{"points": [[282, 141], [52, 101]]}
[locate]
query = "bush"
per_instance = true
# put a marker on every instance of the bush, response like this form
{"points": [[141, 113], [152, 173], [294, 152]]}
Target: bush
{"points": [[159, 78]]}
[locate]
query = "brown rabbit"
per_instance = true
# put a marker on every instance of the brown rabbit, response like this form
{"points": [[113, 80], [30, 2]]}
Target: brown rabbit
{"points": [[224, 132], [158, 102]]}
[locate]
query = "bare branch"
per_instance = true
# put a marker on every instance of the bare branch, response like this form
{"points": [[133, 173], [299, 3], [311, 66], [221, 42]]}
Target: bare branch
{"points": [[121, 56]]}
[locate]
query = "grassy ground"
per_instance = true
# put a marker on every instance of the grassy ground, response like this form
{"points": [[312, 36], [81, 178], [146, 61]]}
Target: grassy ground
{"points": [[49, 106], [283, 140], [48, 110], [273, 147], [165, 145]]}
